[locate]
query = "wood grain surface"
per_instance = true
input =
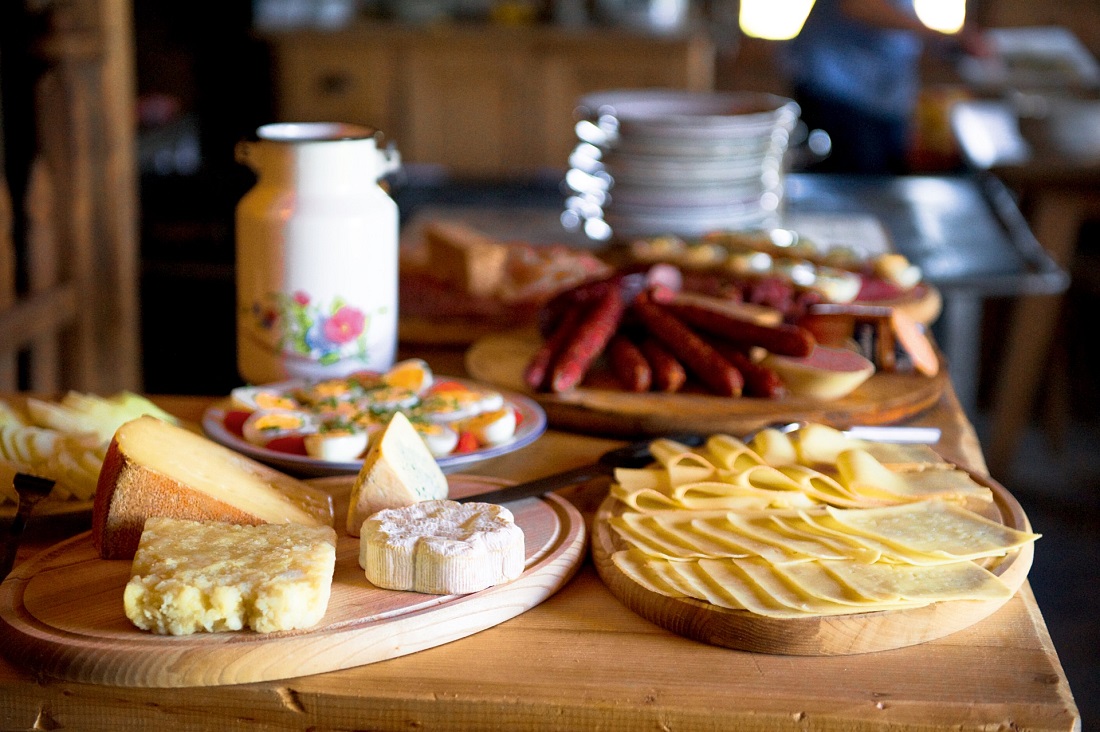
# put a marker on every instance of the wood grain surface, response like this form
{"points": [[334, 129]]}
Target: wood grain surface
{"points": [[582, 660], [818, 636], [598, 407], [62, 611]]}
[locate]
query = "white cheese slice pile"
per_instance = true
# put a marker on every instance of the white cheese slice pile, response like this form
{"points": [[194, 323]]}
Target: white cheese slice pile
{"points": [[442, 547]]}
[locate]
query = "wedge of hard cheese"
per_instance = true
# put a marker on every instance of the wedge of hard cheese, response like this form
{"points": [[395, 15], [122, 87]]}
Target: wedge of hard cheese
{"points": [[211, 576], [153, 468], [398, 470]]}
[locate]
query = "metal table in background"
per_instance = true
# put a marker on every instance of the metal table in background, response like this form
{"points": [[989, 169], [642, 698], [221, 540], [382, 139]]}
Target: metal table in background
{"points": [[1045, 147], [965, 233]]}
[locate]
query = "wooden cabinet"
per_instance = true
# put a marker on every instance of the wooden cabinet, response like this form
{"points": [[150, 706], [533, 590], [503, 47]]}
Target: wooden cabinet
{"points": [[482, 101]]}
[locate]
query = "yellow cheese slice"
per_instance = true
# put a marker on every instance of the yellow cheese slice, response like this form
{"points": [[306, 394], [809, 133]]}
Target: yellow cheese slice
{"points": [[819, 445], [865, 476], [935, 529], [772, 582], [955, 581], [811, 578], [774, 447], [730, 453]]}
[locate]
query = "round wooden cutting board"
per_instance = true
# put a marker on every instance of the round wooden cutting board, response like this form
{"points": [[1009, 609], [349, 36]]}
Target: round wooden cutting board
{"points": [[600, 408], [62, 611], [816, 636]]}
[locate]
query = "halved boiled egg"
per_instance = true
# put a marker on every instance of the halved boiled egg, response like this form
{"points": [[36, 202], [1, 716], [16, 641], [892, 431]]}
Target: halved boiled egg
{"points": [[388, 399], [492, 427], [413, 374], [252, 398], [440, 438], [265, 425], [448, 401], [341, 445], [330, 391]]}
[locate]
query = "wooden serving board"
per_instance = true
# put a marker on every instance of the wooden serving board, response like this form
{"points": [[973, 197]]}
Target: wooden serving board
{"points": [[61, 612], [599, 407], [817, 636]]}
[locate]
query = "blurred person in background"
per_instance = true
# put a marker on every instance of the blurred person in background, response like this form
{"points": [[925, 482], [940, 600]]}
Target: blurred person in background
{"points": [[855, 69]]}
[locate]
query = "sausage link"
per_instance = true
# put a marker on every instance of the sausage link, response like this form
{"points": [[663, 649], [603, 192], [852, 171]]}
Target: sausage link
{"points": [[539, 366], [668, 373], [696, 354], [583, 295], [588, 341], [629, 365], [760, 381], [782, 339]]}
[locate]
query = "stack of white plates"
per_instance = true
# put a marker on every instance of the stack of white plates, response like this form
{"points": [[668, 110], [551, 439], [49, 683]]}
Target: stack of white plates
{"points": [[652, 162]]}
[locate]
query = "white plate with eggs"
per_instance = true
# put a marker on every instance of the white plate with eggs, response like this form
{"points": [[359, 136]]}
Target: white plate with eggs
{"points": [[323, 428]]}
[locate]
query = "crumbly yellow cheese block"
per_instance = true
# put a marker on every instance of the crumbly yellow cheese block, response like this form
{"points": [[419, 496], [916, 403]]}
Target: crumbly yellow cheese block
{"points": [[398, 470], [192, 576], [153, 468], [442, 547]]}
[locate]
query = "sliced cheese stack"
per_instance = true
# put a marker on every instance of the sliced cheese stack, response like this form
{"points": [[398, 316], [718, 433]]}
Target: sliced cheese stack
{"points": [[192, 576], [153, 468], [442, 547], [761, 530], [398, 470]]}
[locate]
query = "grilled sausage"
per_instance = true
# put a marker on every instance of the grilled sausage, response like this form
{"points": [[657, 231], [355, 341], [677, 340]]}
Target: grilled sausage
{"points": [[782, 339], [587, 341], [760, 381], [668, 373], [696, 354], [629, 365]]}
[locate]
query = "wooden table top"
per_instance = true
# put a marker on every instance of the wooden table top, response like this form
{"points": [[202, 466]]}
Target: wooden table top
{"points": [[581, 660]]}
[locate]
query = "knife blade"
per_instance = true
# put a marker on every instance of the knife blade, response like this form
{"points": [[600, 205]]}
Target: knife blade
{"points": [[634, 455]]}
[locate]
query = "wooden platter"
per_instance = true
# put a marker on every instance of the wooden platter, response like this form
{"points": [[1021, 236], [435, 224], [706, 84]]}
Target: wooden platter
{"points": [[61, 612], [817, 636], [601, 408]]}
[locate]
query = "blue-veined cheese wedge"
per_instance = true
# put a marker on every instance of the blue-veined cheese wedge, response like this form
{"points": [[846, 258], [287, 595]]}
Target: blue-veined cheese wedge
{"points": [[265, 425], [398, 470]]}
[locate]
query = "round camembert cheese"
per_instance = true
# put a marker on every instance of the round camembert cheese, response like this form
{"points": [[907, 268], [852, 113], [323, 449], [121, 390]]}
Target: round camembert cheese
{"points": [[442, 547]]}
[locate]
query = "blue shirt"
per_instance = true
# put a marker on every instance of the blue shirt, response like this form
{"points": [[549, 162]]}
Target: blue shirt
{"points": [[873, 69]]}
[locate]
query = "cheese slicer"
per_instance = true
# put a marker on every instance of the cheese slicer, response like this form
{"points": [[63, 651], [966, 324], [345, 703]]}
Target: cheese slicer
{"points": [[31, 489]]}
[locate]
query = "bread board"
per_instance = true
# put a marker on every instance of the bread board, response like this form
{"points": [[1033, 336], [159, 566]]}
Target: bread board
{"points": [[600, 407], [61, 611], [814, 636]]}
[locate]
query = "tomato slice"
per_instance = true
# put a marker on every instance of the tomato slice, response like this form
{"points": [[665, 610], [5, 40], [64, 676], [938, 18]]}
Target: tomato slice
{"points": [[292, 444], [234, 421], [466, 443]]}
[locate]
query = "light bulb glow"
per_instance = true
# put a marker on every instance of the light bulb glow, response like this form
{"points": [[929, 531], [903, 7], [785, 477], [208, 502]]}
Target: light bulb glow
{"points": [[773, 20], [945, 16]]}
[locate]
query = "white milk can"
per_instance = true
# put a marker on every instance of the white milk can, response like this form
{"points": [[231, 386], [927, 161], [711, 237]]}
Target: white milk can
{"points": [[316, 254]]}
